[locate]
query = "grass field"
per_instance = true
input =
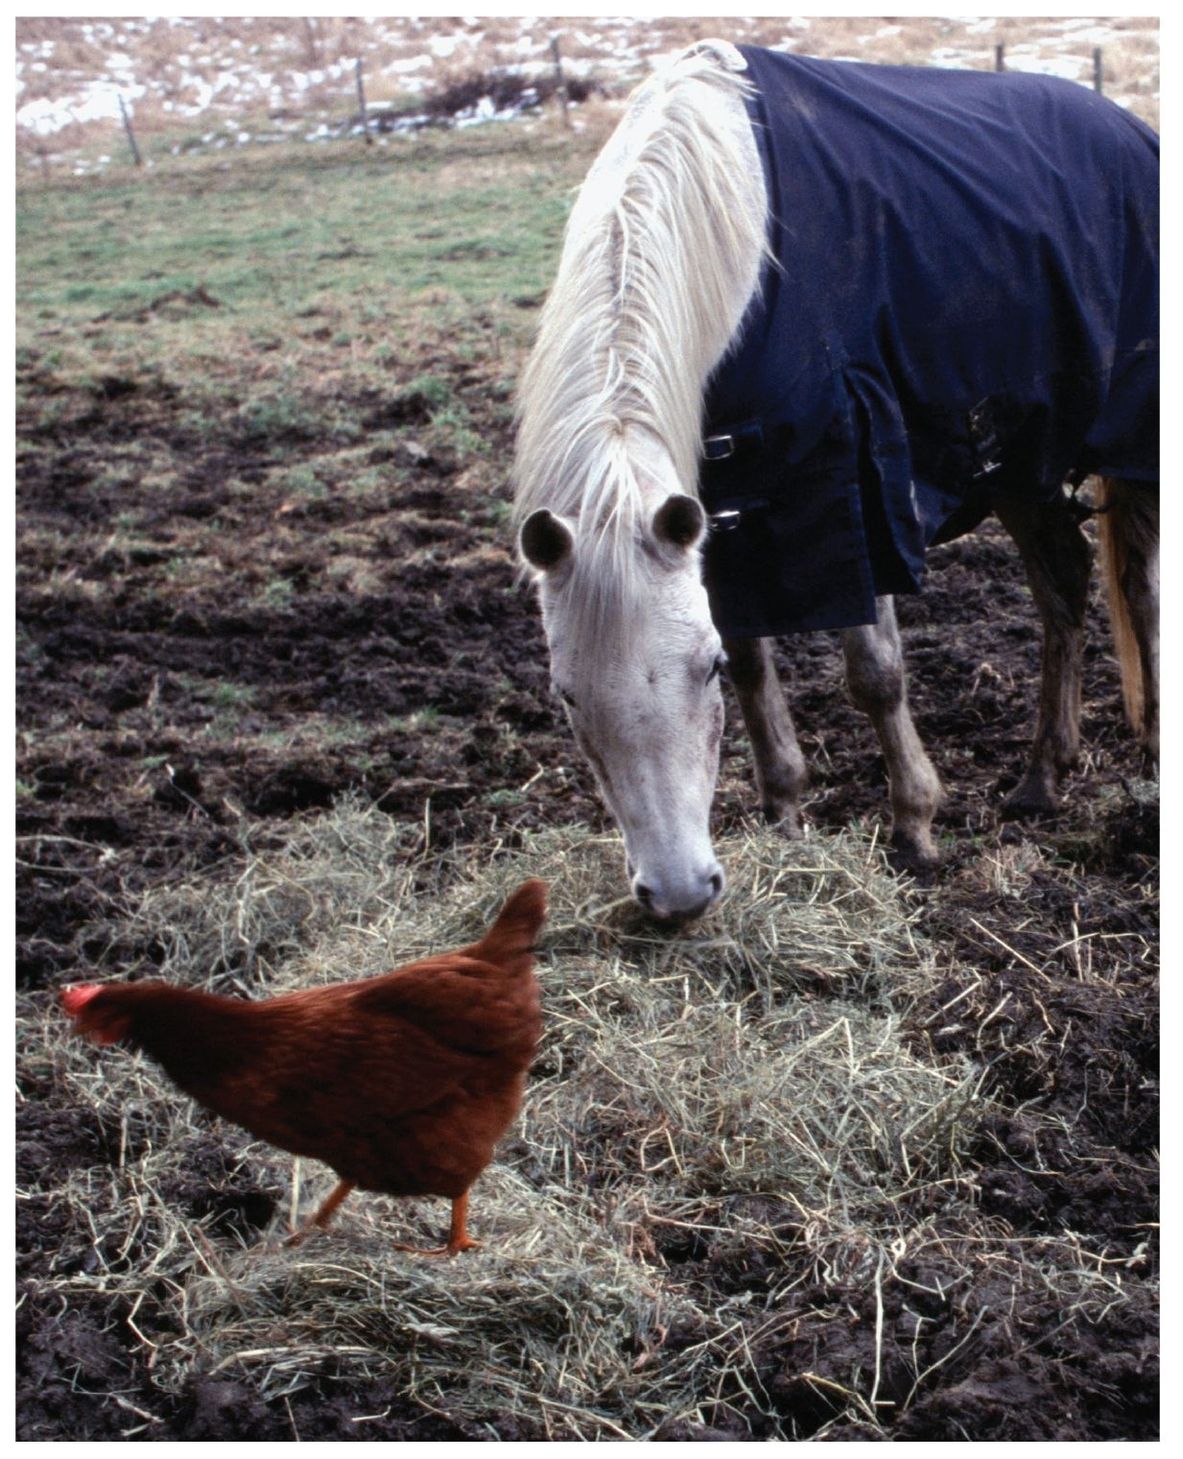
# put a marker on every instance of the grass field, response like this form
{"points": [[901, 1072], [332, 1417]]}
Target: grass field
{"points": [[333, 273], [282, 351], [855, 1158]]}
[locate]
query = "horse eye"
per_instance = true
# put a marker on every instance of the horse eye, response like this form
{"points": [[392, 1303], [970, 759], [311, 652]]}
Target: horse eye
{"points": [[565, 697], [717, 667]]}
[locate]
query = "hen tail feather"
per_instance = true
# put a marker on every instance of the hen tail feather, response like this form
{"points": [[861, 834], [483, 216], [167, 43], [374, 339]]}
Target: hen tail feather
{"points": [[511, 938]]}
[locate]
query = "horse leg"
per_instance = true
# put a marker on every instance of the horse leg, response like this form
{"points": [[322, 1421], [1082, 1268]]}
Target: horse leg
{"points": [[1129, 549], [1057, 557], [780, 765], [875, 677]]}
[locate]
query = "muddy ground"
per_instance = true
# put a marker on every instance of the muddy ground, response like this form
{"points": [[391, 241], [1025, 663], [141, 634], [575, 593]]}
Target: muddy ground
{"points": [[162, 728]]}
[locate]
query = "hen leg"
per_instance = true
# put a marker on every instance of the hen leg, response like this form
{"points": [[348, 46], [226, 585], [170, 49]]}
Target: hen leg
{"points": [[458, 1237], [324, 1215]]}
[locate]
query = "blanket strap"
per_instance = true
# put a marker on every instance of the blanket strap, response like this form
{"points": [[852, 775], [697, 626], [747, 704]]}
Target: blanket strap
{"points": [[1082, 510]]}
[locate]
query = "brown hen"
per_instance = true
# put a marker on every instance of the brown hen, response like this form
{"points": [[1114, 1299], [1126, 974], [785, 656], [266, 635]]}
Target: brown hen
{"points": [[402, 1084]]}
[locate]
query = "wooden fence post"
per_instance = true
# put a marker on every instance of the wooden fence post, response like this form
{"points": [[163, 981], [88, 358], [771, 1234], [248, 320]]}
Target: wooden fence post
{"points": [[131, 136], [1098, 72], [310, 43], [1000, 57], [560, 82], [361, 101]]}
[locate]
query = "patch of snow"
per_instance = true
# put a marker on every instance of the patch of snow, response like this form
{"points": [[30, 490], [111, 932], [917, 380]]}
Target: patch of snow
{"points": [[1070, 68], [412, 63], [98, 103], [205, 92], [1084, 29], [953, 59], [445, 45]]}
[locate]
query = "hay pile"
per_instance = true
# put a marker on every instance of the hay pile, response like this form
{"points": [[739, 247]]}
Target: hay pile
{"points": [[735, 1096]]}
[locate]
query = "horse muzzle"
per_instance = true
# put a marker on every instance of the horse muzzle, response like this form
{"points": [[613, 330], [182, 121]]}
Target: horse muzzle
{"points": [[680, 899]]}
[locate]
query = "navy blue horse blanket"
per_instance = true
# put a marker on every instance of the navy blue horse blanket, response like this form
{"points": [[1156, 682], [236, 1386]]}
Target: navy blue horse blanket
{"points": [[963, 303]]}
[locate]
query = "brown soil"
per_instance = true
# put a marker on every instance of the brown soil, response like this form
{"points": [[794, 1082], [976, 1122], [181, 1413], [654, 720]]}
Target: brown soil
{"points": [[134, 771]]}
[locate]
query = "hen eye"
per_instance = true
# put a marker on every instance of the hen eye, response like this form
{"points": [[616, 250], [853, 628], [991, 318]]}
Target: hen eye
{"points": [[717, 667]]}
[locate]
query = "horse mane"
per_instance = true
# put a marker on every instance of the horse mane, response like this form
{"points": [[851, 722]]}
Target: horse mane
{"points": [[660, 256]]}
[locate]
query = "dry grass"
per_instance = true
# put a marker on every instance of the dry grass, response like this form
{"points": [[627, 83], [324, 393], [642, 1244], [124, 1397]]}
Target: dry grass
{"points": [[744, 1091], [171, 61]]}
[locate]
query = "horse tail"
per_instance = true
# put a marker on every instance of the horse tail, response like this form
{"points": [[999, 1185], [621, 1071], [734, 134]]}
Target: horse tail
{"points": [[1125, 527]]}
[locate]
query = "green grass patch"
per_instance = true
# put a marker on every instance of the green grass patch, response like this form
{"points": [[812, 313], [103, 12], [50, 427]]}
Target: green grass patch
{"points": [[275, 233], [281, 307]]}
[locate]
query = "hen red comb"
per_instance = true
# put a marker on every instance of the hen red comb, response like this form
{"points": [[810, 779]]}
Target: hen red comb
{"points": [[75, 999]]}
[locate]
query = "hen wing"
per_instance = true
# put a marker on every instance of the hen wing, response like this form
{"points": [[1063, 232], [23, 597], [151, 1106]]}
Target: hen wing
{"points": [[459, 1003], [326, 1076]]}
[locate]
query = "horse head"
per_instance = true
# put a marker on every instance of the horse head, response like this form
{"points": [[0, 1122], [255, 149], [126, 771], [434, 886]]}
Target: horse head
{"points": [[662, 253], [635, 660]]}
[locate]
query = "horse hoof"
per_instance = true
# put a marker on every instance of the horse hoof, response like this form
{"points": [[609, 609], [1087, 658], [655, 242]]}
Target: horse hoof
{"points": [[908, 863], [920, 859], [1029, 802], [787, 821]]}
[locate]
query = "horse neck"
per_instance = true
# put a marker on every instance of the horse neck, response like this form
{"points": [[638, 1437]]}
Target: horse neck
{"points": [[663, 252]]}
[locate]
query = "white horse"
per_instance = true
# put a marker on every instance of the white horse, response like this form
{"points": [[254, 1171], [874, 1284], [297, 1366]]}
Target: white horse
{"points": [[663, 252]]}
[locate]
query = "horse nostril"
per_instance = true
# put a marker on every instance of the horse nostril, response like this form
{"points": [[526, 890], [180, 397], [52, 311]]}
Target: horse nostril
{"points": [[644, 894], [716, 883]]}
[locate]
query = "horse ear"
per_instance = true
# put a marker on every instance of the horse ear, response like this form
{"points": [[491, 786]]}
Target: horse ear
{"points": [[545, 540], [680, 522]]}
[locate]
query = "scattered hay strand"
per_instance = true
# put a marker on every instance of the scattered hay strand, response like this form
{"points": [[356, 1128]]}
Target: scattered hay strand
{"points": [[741, 1090]]}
